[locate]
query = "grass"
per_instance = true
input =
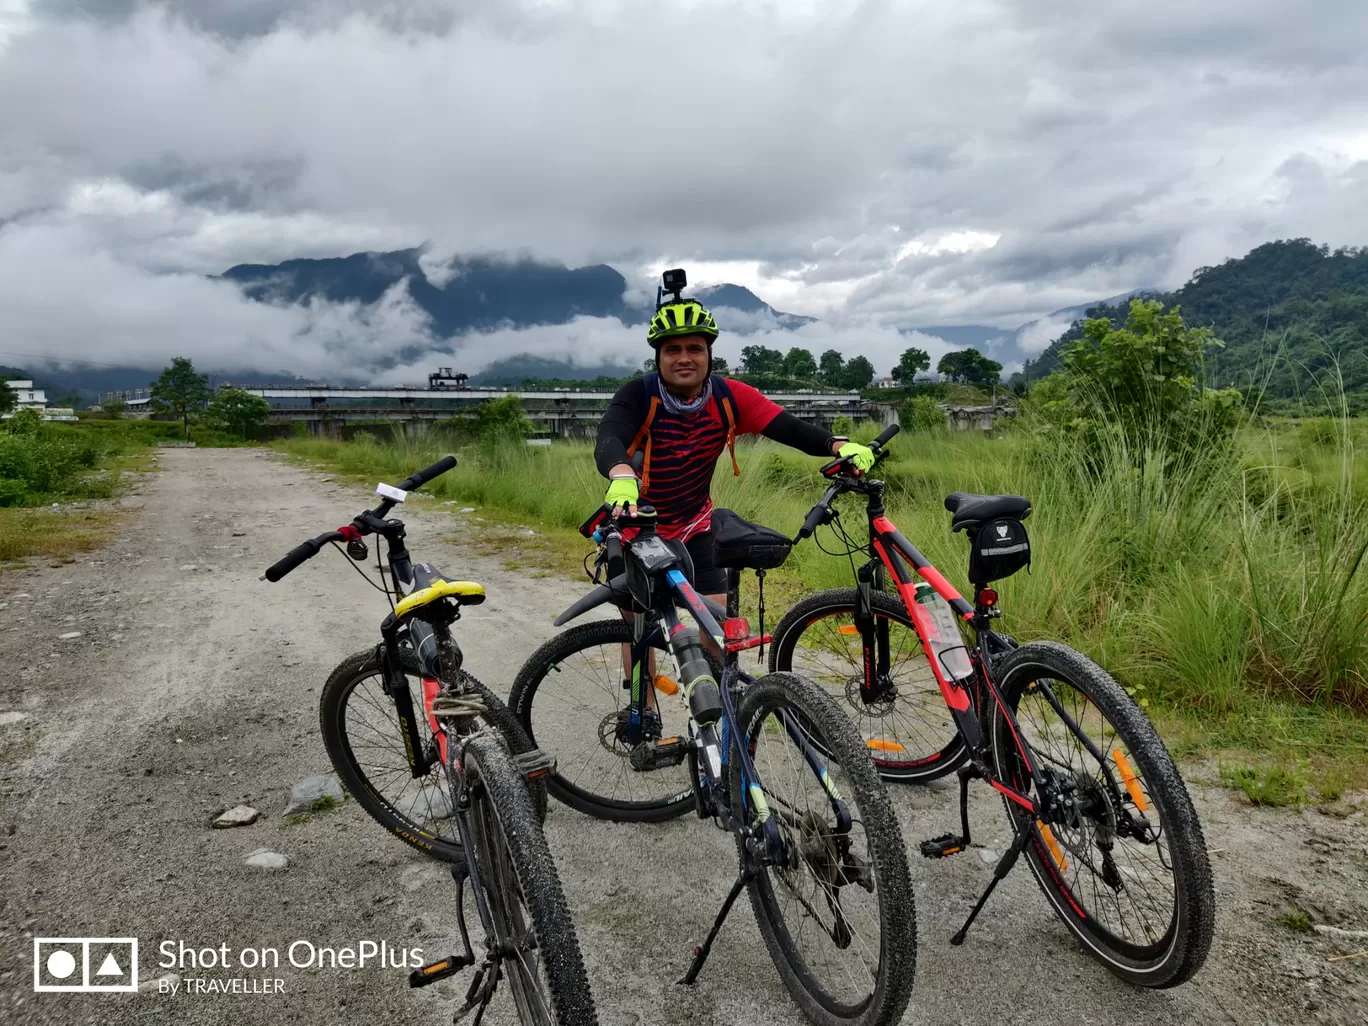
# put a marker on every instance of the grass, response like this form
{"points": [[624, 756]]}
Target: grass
{"points": [[55, 534], [1297, 921], [1229, 590], [1271, 784]]}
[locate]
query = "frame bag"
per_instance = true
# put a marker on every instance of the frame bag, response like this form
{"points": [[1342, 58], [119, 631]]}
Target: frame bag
{"points": [[999, 549]]}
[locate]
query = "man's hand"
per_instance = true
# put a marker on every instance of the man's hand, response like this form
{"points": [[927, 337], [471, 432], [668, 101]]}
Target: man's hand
{"points": [[861, 456], [624, 491]]}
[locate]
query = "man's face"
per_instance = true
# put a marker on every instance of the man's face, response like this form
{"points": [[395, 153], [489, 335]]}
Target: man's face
{"points": [[684, 362]]}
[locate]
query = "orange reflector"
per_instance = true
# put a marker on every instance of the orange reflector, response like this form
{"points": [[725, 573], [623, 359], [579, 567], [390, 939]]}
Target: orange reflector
{"points": [[435, 967], [849, 628], [1053, 845], [880, 745], [1137, 793], [663, 683]]}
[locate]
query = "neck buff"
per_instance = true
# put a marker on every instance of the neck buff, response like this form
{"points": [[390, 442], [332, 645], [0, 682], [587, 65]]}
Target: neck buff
{"points": [[676, 405]]}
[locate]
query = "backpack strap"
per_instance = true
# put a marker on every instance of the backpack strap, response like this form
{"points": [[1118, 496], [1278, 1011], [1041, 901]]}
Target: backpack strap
{"points": [[722, 393], [643, 435]]}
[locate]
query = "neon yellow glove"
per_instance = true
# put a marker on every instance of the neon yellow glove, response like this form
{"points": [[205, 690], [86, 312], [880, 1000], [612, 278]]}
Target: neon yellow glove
{"points": [[860, 456], [623, 491]]}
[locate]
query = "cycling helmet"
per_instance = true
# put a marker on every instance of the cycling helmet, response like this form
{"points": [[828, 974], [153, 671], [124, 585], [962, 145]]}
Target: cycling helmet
{"points": [[682, 317]]}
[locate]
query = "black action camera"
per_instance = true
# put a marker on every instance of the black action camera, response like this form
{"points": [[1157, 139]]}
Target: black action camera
{"points": [[674, 280]]}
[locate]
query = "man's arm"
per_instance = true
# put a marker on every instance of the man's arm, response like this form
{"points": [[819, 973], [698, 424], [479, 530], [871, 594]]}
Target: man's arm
{"points": [[620, 423], [809, 438], [759, 415]]}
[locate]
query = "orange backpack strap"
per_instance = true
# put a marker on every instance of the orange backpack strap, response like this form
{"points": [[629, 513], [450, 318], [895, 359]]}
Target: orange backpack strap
{"points": [[643, 438], [729, 410]]}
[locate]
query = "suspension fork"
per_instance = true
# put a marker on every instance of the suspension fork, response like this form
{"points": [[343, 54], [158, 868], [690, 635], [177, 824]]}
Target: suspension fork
{"points": [[396, 686], [873, 633]]}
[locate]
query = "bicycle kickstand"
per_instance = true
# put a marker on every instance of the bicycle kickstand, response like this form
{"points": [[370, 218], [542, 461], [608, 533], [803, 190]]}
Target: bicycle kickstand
{"points": [[1000, 871], [701, 953]]}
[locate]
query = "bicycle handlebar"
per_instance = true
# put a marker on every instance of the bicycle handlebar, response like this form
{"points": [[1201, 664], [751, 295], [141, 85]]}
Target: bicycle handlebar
{"points": [[365, 523], [819, 513], [416, 481], [300, 554]]}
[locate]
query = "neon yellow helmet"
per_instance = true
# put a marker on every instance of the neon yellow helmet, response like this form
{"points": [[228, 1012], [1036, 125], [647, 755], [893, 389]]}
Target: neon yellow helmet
{"points": [[683, 317]]}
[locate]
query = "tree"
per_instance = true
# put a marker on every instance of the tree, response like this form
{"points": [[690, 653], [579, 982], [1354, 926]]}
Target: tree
{"points": [[830, 367], [970, 366], [9, 398], [922, 413], [27, 421], [114, 408], [648, 365], [237, 410], [180, 391], [762, 360], [719, 365], [503, 418], [800, 364], [858, 373], [912, 363]]}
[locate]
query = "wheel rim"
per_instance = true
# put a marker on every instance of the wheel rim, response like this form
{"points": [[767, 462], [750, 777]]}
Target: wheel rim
{"points": [[828, 927], [576, 711], [906, 732], [1118, 888], [375, 740]]}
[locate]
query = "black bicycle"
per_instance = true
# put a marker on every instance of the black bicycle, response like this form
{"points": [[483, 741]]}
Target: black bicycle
{"points": [[1092, 796], [455, 790], [772, 760]]}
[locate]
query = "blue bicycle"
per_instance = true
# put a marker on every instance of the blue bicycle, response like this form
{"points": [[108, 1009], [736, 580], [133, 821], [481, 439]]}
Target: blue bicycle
{"points": [[773, 760]]}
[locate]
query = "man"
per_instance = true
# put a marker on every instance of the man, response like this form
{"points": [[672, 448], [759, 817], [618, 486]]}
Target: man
{"points": [[682, 418]]}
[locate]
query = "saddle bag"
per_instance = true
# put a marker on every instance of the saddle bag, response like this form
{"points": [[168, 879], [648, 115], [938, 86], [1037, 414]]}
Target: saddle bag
{"points": [[999, 549], [739, 544]]}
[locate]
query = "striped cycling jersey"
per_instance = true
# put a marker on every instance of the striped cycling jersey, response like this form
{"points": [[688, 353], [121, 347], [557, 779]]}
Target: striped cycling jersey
{"points": [[684, 449]]}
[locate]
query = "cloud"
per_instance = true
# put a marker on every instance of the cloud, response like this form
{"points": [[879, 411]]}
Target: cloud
{"points": [[881, 165]]}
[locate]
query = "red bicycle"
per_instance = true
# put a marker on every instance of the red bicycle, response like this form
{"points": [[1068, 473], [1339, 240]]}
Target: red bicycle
{"points": [[1093, 797]]}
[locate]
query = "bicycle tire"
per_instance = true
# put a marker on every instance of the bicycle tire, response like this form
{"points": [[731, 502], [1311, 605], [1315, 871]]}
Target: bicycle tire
{"points": [[500, 802], [332, 714], [930, 750], [531, 683], [1183, 948], [868, 802]]}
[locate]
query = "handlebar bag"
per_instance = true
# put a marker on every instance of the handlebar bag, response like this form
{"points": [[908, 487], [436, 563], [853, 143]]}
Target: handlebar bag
{"points": [[739, 544]]}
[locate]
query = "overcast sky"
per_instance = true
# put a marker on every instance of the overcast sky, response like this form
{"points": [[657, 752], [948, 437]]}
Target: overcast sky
{"points": [[879, 165]]}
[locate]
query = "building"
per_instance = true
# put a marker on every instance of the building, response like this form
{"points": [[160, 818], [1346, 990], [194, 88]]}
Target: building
{"points": [[30, 398], [885, 383]]}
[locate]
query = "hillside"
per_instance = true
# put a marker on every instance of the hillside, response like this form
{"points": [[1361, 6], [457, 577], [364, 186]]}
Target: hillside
{"points": [[1288, 312]]}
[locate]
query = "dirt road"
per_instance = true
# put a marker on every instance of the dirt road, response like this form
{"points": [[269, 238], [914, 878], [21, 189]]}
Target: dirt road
{"points": [[193, 686]]}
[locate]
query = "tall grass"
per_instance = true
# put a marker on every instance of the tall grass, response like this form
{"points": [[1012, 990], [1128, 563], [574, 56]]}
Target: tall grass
{"points": [[1215, 581]]}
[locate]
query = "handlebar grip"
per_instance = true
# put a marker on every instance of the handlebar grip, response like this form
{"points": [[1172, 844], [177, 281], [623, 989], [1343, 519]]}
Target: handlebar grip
{"points": [[416, 481], [814, 520], [299, 554], [884, 436]]}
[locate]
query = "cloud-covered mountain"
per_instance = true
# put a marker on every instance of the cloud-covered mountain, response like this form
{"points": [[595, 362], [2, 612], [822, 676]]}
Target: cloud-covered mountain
{"points": [[465, 294]]}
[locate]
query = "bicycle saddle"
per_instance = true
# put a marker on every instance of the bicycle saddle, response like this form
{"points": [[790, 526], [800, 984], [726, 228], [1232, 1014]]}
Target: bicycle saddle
{"points": [[970, 509]]}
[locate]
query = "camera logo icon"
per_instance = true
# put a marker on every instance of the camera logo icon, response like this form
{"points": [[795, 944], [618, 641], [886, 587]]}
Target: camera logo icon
{"points": [[84, 965]]}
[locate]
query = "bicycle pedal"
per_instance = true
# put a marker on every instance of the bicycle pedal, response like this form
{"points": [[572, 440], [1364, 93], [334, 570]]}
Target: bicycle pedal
{"points": [[439, 970], [945, 844], [535, 763], [658, 754]]}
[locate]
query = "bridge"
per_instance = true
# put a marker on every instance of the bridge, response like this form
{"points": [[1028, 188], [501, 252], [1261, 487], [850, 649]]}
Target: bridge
{"points": [[326, 409]]}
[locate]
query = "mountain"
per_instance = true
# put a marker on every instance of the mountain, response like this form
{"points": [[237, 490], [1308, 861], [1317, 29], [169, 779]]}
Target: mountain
{"points": [[483, 293], [514, 370], [1292, 316]]}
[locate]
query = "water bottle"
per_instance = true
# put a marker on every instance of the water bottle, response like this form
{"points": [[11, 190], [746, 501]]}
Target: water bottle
{"points": [[947, 644]]}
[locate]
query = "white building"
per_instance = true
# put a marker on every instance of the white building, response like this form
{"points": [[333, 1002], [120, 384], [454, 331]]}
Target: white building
{"points": [[30, 398]]}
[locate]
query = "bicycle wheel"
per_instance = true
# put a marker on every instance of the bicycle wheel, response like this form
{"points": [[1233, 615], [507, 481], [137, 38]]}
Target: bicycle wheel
{"points": [[571, 697], [1125, 865], [838, 917], [361, 733], [909, 732], [528, 913]]}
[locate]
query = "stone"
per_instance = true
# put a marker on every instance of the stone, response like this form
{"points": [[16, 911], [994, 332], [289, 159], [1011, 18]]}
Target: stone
{"points": [[189, 566], [10, 718], [425, 804], [264, 858], [466, 509], [308, 790], [69, 636], [154, 985], [237, 816]]}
